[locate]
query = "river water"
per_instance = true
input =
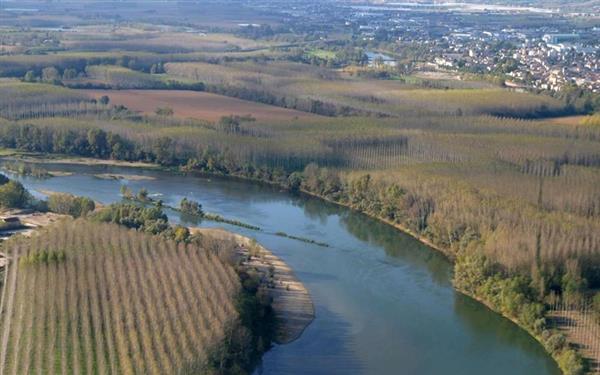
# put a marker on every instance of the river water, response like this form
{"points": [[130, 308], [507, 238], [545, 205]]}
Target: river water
{"points": [[384, 302]]}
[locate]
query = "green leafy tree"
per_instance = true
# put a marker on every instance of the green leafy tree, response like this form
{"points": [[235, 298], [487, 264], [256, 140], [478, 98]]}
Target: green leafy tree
{"points": [[69, 74], [50, 74], [142, 194], [572, 282], [181, 234], [98, 143], [14, 195], [68, 204], [191, 207], [164, 111], [30, 76], [104, 100]]}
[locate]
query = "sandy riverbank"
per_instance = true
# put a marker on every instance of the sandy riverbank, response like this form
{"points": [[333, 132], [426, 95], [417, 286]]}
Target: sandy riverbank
{"points": [[29, 222], [78, 160], [33, 219], [292, 303]]}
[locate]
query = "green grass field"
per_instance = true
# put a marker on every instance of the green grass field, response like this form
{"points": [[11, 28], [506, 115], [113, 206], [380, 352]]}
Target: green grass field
{"points": [[322, 54]]}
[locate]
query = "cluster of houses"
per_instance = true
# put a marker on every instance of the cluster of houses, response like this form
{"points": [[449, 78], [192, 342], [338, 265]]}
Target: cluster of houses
{"points": [[550, 62], [543, 57]]}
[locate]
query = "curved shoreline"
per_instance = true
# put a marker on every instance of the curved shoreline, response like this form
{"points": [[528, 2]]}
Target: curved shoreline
{"points": [[448, 256], [291, 301], [400, 227], [423, 240], [427, 243]]}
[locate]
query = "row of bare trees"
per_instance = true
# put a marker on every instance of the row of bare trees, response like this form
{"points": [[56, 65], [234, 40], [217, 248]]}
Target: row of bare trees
{"points": [[116, 301], [576, 317]]}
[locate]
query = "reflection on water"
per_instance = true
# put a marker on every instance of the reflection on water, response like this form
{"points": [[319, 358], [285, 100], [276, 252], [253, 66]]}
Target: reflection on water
{"points": [[384, 302], [397, 245], [318, 210], [324, 348], [477, 319]]}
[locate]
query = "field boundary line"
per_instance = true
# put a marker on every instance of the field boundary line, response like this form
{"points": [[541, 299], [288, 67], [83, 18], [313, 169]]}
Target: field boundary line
{"points": [[6, 315]]}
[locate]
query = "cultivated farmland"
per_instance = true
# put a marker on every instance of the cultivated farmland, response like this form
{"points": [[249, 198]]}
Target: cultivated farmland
{"points": [[97, 298], [504, 180], [198, 105], [290, 83]]}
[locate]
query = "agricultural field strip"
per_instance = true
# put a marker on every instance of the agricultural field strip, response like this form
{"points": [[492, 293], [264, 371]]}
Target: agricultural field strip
{"points": [[197, 105], [286, 79], [91, 354]]}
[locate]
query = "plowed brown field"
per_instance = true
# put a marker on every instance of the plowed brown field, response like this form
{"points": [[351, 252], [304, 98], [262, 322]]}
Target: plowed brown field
{"points": [[199, 105]]}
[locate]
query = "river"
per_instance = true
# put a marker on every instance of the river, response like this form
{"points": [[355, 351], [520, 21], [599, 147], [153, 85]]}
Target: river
{"points": [[384, 302]]}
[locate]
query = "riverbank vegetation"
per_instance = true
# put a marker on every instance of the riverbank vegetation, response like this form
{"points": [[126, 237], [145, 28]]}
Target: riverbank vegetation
{"points": [[190, 210], [145, 219], [190, 207], [68, 204], [476, 170], [14, 195], [24, 169], [526, 232]]}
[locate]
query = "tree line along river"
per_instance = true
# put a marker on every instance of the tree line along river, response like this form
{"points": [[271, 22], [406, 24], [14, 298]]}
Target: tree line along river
{"points": [[384, 302]]}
